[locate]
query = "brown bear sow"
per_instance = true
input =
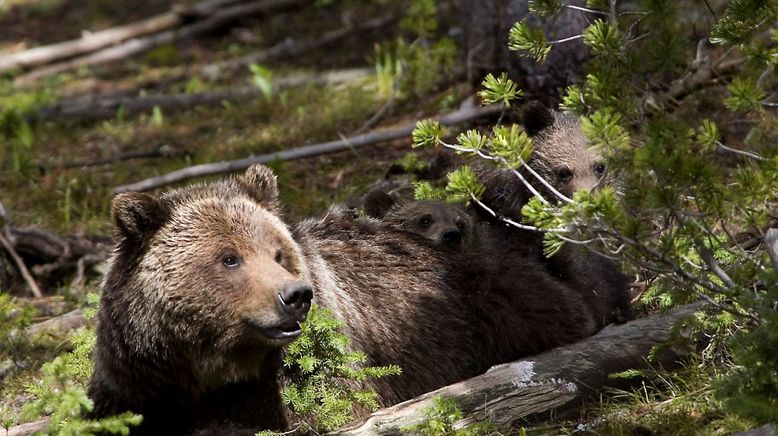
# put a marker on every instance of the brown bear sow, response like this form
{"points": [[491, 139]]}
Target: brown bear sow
{"points": [[207, 283], [444, 224], [204, 287], [563, 157]]}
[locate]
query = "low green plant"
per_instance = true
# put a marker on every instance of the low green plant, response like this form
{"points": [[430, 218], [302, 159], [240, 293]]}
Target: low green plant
{"points": [[263, 79], [60, 395], [320, 371], [14, 340], [440, 419], [16, 139]]}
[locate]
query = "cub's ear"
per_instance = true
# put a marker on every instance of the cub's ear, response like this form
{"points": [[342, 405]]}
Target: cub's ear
{"points": [[377, 203], [536, 117], [262, 185], [138, 215]]}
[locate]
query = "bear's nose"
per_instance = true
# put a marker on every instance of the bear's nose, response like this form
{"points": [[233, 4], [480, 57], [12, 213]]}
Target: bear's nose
{"points": [[452, 237], [295, 298]]}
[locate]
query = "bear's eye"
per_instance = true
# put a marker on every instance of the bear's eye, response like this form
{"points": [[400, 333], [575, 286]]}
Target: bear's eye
{"points": [[460, 225], [425, 221], [564, 174], [230, 261], [279, 257], [599, 169]]}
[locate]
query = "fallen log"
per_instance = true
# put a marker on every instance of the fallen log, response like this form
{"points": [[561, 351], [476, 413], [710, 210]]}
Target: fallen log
{"points": [[456, 117], [60, 325], [510, 395], [219, 18], [95, 107], [90, 42], [28, 428]]}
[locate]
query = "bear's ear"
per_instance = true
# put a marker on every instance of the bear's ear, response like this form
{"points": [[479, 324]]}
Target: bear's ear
{"points": [[262, 185], [536, 117], [138, 215], [377, 203]]}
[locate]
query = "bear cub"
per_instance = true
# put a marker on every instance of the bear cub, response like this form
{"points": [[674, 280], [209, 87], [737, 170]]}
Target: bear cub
{"points": [[446, 225]]}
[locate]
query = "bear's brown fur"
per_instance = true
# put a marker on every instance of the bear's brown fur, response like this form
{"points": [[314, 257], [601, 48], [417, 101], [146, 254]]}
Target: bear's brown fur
{"points": [[185, 343], [442, 223], [203, 289], [563, 157]]}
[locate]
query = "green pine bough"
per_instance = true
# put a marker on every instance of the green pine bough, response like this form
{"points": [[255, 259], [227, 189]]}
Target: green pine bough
{"points": [[690, 198]]}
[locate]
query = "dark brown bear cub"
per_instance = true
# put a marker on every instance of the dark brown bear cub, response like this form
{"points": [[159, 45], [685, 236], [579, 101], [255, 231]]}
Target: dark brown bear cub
{"points": [[444, 224], [203, 289], [564, 158]]}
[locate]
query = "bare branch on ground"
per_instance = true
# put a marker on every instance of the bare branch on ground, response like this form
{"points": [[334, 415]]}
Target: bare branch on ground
{"points": [[456, 117]]}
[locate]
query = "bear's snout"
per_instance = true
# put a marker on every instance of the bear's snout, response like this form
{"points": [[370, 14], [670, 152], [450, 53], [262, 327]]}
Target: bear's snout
{"points": [[295, 299], [452, 237]]}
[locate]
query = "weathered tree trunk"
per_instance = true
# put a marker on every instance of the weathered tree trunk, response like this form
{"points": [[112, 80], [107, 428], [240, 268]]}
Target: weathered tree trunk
{"points": [[486, 24], [512, 394]]}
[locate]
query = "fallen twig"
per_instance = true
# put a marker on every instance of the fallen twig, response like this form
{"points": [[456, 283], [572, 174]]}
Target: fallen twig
{"points": [[164, 151], [220, 18], [94, 107], [456, 117], [36, 291]]}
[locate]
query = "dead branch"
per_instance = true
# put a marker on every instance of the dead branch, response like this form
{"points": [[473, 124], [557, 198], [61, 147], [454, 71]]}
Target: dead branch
{"points": [[457, 117], [165, 152], [46, 307], [90, 42], [219, 18], [36, 291], [95, 107], [512, 394], [60, 325], [51, 256], [702, 72], [28, 428], [292, 48]]}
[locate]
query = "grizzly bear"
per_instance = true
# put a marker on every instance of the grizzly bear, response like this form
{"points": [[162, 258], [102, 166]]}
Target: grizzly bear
{"points": [[442, 223], [563, 157], [207, 284], [203, 289]]}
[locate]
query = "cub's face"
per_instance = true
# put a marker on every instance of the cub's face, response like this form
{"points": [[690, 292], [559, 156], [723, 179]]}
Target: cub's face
{"points": [[442, 223], [218, 268], [563, 154], [569, 163]]}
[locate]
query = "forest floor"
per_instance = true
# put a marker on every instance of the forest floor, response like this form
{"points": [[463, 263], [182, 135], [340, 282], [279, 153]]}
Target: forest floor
{"points": [[57, 182]]}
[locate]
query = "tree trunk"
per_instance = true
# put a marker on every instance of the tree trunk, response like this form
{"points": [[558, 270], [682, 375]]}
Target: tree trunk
{"points": [[557, 380], [486, 24]]}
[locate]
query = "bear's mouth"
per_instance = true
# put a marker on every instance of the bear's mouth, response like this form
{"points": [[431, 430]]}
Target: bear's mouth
{"points": [[285, 331]]}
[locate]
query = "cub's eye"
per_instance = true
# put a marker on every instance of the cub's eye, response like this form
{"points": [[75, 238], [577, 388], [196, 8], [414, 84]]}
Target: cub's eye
{"points": [[564, 174], [599, 169], [425, 221], [461, 225], [279, 256], [230, 261]]}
